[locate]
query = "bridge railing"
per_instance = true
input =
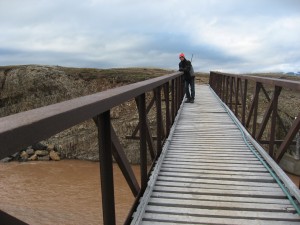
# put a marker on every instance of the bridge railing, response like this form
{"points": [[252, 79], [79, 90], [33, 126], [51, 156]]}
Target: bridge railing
{"points": [[23, 129], [234, 90]]}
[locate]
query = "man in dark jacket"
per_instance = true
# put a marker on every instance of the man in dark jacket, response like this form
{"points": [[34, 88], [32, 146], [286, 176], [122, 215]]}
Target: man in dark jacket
{"points": [[189, 78]]}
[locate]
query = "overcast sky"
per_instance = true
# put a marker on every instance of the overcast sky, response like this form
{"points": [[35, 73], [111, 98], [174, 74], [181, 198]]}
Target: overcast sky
{"points": [[224, 35]]}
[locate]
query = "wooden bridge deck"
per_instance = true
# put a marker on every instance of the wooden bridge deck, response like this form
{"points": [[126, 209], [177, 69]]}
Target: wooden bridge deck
{"points": [[207, 174]]}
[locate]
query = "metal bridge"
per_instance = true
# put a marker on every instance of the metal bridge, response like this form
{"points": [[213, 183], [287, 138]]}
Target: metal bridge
{"points": [[208, 166]]}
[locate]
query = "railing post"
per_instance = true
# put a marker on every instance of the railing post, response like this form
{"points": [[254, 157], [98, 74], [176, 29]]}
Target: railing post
{"points": [[158, 120], [223, 88], [173, 100], [257, 90], [237, 89], [273, 120], [244, 102], [231, 93], [106, 169], [227, 83], [143, 140], [167, 99], [178, 93]]}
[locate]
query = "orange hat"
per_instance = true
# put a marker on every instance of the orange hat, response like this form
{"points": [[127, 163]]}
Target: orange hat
{"points": [[181, 55]]}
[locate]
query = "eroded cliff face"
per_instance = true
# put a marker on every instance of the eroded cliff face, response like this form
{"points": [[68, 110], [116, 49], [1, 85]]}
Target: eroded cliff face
{"points": [[32, 86], [28, 87]]}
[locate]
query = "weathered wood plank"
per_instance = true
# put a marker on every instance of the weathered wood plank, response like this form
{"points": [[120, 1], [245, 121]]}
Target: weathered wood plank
{"points": [[218, 156], [215, 167], [217, 161], [220, 177], [171, 162], [212, 171], [216, 181], [230, 199], [216, 186], [189, 219], [240, 193], [219, 205]]}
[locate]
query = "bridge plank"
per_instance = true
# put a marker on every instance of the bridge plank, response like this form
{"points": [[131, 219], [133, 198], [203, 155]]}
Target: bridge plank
{"points": [[215, 167], [216, 186], [218, 156], [217, 181], [232, 199], [240, 193], [187, 210], [217, 161], [220, 177], [212, 171], [187, 219], [225, 165], [219, 205]]}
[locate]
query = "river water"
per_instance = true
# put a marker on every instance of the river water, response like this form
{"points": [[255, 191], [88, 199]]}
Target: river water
{"points": [[66, 192]]}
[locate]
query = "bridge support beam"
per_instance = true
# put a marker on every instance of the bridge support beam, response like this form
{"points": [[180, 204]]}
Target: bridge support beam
{"points": [[106, 169]]}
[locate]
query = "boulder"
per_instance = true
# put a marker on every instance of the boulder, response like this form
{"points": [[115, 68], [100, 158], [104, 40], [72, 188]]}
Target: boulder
{"points": [[54, 156], [50, 147], [39, 146], [24, 155], [41, 152], [33, 157], [30, 151]]}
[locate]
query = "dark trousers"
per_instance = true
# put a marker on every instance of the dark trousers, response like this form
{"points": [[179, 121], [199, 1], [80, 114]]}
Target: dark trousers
{"points": [[189, 86]]}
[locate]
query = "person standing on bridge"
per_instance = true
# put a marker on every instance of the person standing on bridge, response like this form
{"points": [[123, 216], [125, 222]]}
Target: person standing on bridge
{"points": [[189, 78]]}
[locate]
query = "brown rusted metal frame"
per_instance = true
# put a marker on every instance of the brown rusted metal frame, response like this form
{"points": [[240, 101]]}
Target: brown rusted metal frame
{"points": [[226, 88], [271, 111], [273, 121], [159, 124], [167, 102], [288, 139], [106, 168], [135, 131], [143, 139], [278, 116], [223, 88], [173, 100], [20, 130], [255, 103], [231, 92], [123, 163], [244, 101], [237, 90], [149, 136]]}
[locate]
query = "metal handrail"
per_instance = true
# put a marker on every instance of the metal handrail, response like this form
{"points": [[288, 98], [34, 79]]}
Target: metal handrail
{"points": [[23, 129]]}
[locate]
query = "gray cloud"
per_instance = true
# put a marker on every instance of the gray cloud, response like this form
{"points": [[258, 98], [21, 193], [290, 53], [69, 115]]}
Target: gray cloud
{"points": [[229, 35]]}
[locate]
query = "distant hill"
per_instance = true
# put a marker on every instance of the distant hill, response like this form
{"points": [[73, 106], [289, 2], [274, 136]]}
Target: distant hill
{"points": [[293, 73]]}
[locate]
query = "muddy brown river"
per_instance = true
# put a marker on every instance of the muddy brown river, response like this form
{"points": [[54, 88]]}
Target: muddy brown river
{"points": [[63, 193]]}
